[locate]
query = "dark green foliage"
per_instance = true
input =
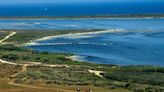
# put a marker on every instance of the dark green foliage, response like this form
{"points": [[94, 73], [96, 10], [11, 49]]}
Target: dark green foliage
{"points": [[75, 75], [10, 57], [142, 69], [138, 74], [131, 77], [24, 36], [11, 47]]}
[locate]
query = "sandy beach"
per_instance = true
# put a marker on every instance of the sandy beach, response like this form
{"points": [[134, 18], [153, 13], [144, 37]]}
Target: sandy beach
{"points": [[72, 35]]}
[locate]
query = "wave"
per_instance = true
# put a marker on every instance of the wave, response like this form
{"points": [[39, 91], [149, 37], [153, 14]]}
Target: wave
{"points": [[75, 57], [37, 23], [21, 24], [71, 43], [26, 24], [91, 59], [72, 35], [80, 34]]}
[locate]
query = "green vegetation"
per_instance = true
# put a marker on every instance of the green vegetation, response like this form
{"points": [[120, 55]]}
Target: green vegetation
{"points": [[138, 74], [133, 78], [75, 75], [18, 54], [3, 34], [79, 75], [5, 69], [24, 36]]}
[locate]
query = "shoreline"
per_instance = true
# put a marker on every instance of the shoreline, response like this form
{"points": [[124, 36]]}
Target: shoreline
{"points": [[32, 43], [73, 57], [76, 18], [112, 16]]}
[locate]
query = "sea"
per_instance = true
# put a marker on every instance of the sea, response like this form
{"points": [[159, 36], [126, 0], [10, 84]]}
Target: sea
{"points": [[121, 41], [84, 9]]}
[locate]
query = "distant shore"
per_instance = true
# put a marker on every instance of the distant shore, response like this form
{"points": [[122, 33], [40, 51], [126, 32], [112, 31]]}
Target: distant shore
{"points": [[112, 16]]}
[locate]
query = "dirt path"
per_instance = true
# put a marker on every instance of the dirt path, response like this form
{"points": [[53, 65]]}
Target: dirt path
{"points": [[36, 87], [1, 41], [24, 68], [6, 62], [7, 37], [35, 64]]}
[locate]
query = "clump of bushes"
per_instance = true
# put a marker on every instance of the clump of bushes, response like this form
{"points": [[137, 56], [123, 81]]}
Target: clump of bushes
{"points": [[64, 76], [11, 47], [10, 57], [138, 74]]}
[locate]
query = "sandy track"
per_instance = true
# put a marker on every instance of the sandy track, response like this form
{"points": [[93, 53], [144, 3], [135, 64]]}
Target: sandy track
{"points": [[7, 37], [24, 68], [36, 87], [6, 62]]}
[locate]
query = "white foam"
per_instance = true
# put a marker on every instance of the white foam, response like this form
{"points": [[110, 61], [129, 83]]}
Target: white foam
{"points": [[75, 57], [72, 35], [37, 23], [79, 36], [32, 44], [79, 43], [75, 35]]}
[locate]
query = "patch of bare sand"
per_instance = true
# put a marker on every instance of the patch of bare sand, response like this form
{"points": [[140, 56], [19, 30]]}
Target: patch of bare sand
{"points": [[97, 73]]}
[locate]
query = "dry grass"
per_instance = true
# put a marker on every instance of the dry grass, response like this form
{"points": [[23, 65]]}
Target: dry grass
{"points": [[7, 70]]}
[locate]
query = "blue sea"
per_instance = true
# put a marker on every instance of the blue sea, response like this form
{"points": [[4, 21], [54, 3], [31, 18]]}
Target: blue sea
{"points": [[130, 42], [84, 9], [123, 42]]}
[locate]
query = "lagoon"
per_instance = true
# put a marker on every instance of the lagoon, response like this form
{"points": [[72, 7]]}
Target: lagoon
{"points": [[133, 41]]}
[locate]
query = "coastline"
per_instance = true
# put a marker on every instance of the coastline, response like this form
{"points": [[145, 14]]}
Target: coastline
{"points": [[112, 16], [72, 57], [55, 68], [75, 18], [82, 46], [72, 34]]}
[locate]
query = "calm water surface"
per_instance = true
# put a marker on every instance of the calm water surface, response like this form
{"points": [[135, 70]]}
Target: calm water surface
{"points": [[84, 9], [138, 42]]}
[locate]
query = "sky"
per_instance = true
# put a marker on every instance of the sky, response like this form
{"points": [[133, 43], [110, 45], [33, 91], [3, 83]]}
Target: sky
{"points": [[62, 1]]}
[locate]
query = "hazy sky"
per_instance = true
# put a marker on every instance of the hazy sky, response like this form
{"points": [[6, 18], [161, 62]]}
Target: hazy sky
{"points": [[61, 1]]}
